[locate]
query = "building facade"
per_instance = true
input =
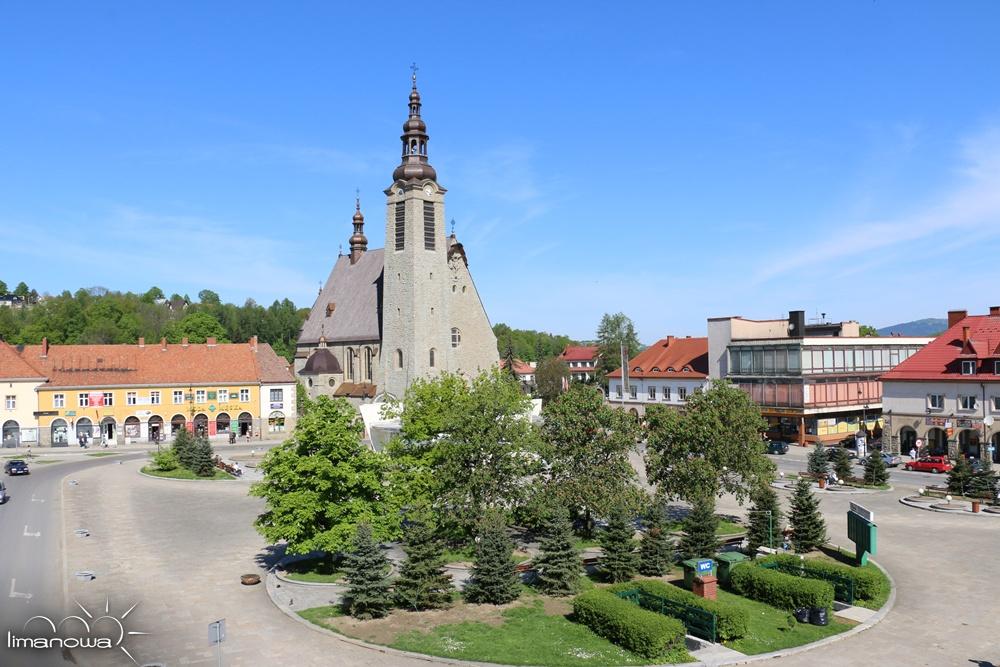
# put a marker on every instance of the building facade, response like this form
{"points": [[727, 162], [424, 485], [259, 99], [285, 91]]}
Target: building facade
{"points": [[945, 399], [812, 381], [665, 373], [19, 381], [126, 394], [582, 361], [410, 310]]}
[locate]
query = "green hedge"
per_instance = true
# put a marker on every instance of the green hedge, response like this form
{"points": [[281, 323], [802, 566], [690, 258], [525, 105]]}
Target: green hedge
{"points": [[785, 591], [731, 622], [868, 583], [646, 633]]}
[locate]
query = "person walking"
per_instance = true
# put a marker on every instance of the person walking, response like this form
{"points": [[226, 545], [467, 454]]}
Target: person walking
{"points": [[913, 453]]}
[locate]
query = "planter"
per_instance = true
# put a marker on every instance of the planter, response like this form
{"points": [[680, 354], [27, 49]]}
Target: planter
{"points": [[822, 482], [975, 506], [250, 579]]}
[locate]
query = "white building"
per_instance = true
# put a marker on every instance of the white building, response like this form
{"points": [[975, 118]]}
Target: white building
{"points": [[665, 373]]}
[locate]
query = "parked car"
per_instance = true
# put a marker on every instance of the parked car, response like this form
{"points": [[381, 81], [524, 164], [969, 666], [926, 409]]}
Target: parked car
{"points": [[831, 452], [933, 464], [891, 460], [777, 447], [3, 494], [16, 467]]}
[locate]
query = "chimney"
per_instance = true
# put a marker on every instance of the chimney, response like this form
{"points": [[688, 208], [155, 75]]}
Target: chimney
{"points": [[163, 344], [253, 343], [210, 341], [956, 316], [994, 311], [965, 334], [670, 340], [45, 348], [142, 342], [184, 341]]}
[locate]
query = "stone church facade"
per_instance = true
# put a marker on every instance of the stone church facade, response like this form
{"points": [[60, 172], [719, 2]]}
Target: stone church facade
{"points": [[388, 316]]}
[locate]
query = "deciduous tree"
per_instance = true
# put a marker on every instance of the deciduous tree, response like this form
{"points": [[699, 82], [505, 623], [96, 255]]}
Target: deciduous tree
{"points": [[614, 331], [551, 375]]}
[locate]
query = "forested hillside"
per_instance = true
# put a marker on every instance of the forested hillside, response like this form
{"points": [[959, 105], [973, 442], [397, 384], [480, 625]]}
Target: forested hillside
{"points": [[529, 345]]}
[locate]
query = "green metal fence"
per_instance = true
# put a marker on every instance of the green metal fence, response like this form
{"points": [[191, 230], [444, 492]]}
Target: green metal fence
{"points": [[843, 587], [698, 622]]}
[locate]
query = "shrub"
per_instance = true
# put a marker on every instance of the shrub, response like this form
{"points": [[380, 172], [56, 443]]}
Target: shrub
{"points": [[165, 460], [785, 591], [731, 622], [868, 583], [627, 625]]}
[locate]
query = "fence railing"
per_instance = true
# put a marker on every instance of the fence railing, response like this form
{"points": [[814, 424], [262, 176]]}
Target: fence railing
{"points": [[698, 622]]}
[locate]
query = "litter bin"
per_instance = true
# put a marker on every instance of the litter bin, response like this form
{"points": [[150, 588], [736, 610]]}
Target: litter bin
{"points": [[727, 561], [692, 570]]}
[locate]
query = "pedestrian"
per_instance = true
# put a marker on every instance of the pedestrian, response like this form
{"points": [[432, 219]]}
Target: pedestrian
{"points": [[913, 453]]}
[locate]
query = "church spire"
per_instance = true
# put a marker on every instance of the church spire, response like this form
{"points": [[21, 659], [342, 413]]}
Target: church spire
{"points": [[359, 243], [414, 165]]}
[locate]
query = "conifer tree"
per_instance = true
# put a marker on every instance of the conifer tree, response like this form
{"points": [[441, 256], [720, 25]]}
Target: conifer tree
{"points": [[656, 551], [842, 465], [558, 565], [700, 525], [960, 476], [983, 483], [809, 529], [184, 448], [202, 462], [367, 574], [819, 464], [619, 561], [875, 471], [423, 582], [494, 577], [764, 529]]}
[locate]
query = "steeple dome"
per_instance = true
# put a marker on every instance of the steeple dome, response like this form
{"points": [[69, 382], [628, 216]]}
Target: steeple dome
{"points": [[359, 242], [414, 165]]}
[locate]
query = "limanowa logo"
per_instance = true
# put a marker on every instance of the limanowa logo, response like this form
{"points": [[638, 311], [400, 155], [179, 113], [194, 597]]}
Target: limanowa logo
{"points": [[104, 632]]}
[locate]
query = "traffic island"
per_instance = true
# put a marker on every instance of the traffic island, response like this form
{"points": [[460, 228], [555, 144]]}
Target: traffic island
{"points": [[951, 505]]}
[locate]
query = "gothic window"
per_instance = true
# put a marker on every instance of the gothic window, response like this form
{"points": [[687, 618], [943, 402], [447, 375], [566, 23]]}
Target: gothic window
{"points": [[350, 364], [432, 358], [368, 363], [399, 358], [428, 225], [456, 337], [400, 225]]}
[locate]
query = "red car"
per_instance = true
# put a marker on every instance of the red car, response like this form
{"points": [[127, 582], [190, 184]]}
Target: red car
{"points": [[933, 464]]}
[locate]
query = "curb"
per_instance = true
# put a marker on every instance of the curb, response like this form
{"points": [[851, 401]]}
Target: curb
{"points": [[908, 503], [858, 492], [174, 479], [334, 587], [386, 650]]}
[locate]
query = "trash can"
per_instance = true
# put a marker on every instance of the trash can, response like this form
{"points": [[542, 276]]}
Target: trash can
{"points": [[727, 561], [691, 570]]}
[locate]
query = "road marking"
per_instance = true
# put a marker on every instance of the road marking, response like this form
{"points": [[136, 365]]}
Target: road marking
{"points": [[15, 594], [27, 534], [36, 500]]}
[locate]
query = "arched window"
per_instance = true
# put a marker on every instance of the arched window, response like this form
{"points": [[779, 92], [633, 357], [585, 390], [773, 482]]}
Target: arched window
{"points": [[399, 358], [222, 423], [276, 422], [350, 363], [60, 432], [456, 337], [432, 358], [369, 356], [177, 423]]}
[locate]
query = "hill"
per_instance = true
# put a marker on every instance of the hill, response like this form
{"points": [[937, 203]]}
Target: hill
{"points": [[930, 326]]}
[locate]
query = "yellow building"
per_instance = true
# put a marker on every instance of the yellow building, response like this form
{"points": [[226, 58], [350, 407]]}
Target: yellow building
{"points": [[124, 394]]}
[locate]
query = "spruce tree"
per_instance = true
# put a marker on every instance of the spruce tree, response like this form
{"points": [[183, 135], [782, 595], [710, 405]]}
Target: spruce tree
{"points": [[984, 482], [202, 463], [764, 529], [700, 526], [367, 575], [619, 561], [842, 465], [960, 476], [558, 565], [494, 576], [656, 551], [184, 448], [819, 464], [875, 470], [423, 582], [809, 529]]}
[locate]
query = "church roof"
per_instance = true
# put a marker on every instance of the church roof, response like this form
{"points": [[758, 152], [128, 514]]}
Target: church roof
{"points": [[321, 362], [348, 307]]}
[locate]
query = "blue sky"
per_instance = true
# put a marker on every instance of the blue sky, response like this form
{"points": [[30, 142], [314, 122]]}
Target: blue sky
{"points": [[675, 161]]}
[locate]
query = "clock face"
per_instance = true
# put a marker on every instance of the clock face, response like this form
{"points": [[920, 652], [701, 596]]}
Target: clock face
{"points": [[428, 190]]}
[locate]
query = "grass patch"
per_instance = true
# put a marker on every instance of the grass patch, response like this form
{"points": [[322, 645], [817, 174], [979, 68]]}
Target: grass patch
{"points": [[725, 527], [528, 636], [768, 627], [317, 616], [581, 543], [103, 454], [468, 554], [43, 461], [315, 570], [183, 473]]}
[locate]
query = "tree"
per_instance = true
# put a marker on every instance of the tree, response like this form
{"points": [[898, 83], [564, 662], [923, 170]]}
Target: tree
{"points": [[529, 345], [959, 477], [614, 331], [875, 470], [509, 361], [184, 448], [423, 582], [656, 550], [494, 577], [558, 564], [700, 529], [551, 375], [202, 462], [22, 290], [208, 297], [819, 464], [808, 527], [323, 481], [712, 446], [619, 561], [197, 328], [3, 288], [868, 331], [764, 529], [842, 465], [152, 295], [587, 443], [367, 576], [984, 482]]}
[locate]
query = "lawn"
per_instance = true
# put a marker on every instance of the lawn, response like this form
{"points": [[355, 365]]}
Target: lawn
{"points": [[527, 636], [102, 454], [315, 570], [43, 461], [769, 629], [184, 473], [468, 554], [725, 527], [317, 614]]}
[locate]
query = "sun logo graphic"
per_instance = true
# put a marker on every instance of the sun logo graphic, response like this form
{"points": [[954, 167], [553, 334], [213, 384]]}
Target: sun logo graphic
{"points": [[102, 632]]}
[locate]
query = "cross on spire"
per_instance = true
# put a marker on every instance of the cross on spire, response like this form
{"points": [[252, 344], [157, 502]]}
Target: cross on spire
{"points": [[357, 199], [453, 226], [414, 68]]}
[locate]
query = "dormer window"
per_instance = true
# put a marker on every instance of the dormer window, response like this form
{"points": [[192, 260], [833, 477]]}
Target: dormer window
{"points": [[687, 369], [968, 367], [656, 369], [670, 369]]}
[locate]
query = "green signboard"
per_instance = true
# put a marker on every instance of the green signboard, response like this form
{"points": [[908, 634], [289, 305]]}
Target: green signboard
{"points": [[861, 530], [211, 395]]}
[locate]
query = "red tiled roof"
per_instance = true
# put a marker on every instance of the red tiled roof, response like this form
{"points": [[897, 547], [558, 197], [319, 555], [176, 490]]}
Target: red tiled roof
{"points": [[117, 365], [941, 358], [520, 367], [13, 367], [356, 390], [579, 353], [670, 352]]}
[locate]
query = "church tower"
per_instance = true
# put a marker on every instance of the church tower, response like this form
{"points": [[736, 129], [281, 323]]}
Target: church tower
{"points": [[415, 329]]}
